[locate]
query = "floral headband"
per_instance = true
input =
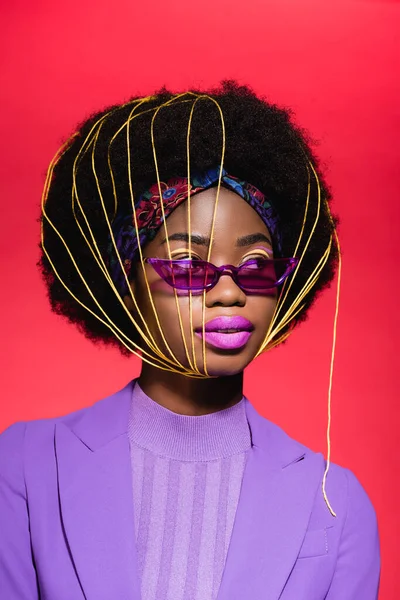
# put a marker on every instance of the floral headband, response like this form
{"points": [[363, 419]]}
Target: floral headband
{"points": [[149, 216]]}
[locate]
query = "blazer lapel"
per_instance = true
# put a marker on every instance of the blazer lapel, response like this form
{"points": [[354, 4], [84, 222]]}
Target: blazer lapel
{"points": [[279, 484], [95, 488]]}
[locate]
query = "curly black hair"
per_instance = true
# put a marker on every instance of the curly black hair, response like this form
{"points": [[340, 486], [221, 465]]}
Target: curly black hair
{"points": [[263, 146]]}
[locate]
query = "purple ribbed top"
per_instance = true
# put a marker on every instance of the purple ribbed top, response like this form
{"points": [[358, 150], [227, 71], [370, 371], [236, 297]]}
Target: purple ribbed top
{"points": [[187, 474]]}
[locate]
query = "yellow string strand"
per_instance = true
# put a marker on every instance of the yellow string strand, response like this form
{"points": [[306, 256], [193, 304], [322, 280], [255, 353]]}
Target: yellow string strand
{"points": [[166, 230], [213, 221], [95, 250], [44, 198], [190, 228], [290, 314], [202, 97], [127, 125], [281, 301]]}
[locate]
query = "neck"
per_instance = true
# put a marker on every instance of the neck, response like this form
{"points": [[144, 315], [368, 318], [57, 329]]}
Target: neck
{"points": [[188, 396]]}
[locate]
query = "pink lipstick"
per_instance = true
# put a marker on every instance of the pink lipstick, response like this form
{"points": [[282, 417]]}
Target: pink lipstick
{"points": [[229, 333]]}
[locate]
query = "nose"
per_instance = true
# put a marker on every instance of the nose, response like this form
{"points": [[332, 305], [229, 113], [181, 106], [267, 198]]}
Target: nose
{"points": [[225, 293]]}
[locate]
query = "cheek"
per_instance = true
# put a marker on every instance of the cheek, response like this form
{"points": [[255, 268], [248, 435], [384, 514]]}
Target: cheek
{"points": [[262, 309], [163, 296], [261, 312], [161, 289]]}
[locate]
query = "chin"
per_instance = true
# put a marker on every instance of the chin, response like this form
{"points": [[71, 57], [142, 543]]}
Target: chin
{"points": [[220, 363], [225, 365]]}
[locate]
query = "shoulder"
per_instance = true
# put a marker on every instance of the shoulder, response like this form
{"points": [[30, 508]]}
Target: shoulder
{"points": [[24, 437], [343, 486], [16, 435], [352, 537], [354, 532], [105, 417]]}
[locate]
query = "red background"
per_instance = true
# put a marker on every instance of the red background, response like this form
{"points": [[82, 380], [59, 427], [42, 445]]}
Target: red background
{"points": [[337, 65]]}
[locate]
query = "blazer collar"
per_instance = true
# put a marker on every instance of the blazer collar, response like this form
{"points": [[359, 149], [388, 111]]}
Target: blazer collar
{"points": [[280, 481], [107, 419]]}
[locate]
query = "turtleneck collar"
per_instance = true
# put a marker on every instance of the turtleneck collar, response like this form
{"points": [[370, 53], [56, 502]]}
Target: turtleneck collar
{"points": [[189, 438]]}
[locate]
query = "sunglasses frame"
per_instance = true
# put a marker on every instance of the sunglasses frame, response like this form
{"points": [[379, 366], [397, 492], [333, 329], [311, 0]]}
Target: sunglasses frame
{"points": [[158, 263]]}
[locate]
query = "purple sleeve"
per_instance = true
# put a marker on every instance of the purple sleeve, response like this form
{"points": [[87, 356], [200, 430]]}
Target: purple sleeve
{"points": [[17, 571], [357, 572]]}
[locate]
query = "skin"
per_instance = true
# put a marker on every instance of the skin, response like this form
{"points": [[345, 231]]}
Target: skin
{"points": [[234, 219]]}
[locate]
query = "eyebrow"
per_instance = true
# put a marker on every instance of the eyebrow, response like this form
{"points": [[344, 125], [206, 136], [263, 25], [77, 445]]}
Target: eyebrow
{"points": [[200, 240]]}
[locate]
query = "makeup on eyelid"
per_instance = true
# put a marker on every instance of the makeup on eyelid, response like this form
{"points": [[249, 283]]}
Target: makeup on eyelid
{"points": [[262, 251]]}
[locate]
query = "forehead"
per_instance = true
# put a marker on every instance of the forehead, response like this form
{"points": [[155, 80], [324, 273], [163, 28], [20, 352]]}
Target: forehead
{"points": [[234, 217]]}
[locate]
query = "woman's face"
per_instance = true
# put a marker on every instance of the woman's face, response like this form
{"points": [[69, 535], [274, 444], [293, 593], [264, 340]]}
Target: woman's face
{"points": [[239, 235]]}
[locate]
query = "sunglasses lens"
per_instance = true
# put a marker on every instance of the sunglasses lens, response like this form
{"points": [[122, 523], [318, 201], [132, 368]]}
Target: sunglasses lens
{"points": [[194, 275], [265, 274]]}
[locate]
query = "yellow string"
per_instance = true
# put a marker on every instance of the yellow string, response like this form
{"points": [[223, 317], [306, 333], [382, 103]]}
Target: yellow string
{"points": [[139, 245], [138, 237], [190, 229], [110, 325], [271, 333], [202, 97], [95, 250], [290, 313], [162, 361], [127, 125], [166, 230], [331, 375]]}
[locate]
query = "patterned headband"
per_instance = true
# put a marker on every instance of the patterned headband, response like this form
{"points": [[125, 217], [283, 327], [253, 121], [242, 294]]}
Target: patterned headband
{"points": [[174, 192]]}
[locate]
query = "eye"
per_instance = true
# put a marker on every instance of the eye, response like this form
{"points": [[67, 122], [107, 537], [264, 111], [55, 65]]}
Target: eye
{"points": [[185, 257], [256, 262], [183, 254]]}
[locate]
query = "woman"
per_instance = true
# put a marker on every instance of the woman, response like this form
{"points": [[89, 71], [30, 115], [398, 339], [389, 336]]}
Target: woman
{"points": [[193, 230]]}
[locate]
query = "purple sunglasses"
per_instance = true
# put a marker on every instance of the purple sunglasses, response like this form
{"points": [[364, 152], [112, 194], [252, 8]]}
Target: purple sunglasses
{"points": [[256, 275]]}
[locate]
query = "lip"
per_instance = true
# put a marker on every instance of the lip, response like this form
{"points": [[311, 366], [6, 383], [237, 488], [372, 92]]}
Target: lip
{"points": [[226, 341], [219, 324], [218, 332]]}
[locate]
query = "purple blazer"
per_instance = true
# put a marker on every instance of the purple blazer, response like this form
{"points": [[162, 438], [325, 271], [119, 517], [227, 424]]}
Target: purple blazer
{"points": [[66, 516]]}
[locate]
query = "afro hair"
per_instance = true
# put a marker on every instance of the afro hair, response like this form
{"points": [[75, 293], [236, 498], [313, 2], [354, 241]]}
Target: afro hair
{"points": [[262, 146]]}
